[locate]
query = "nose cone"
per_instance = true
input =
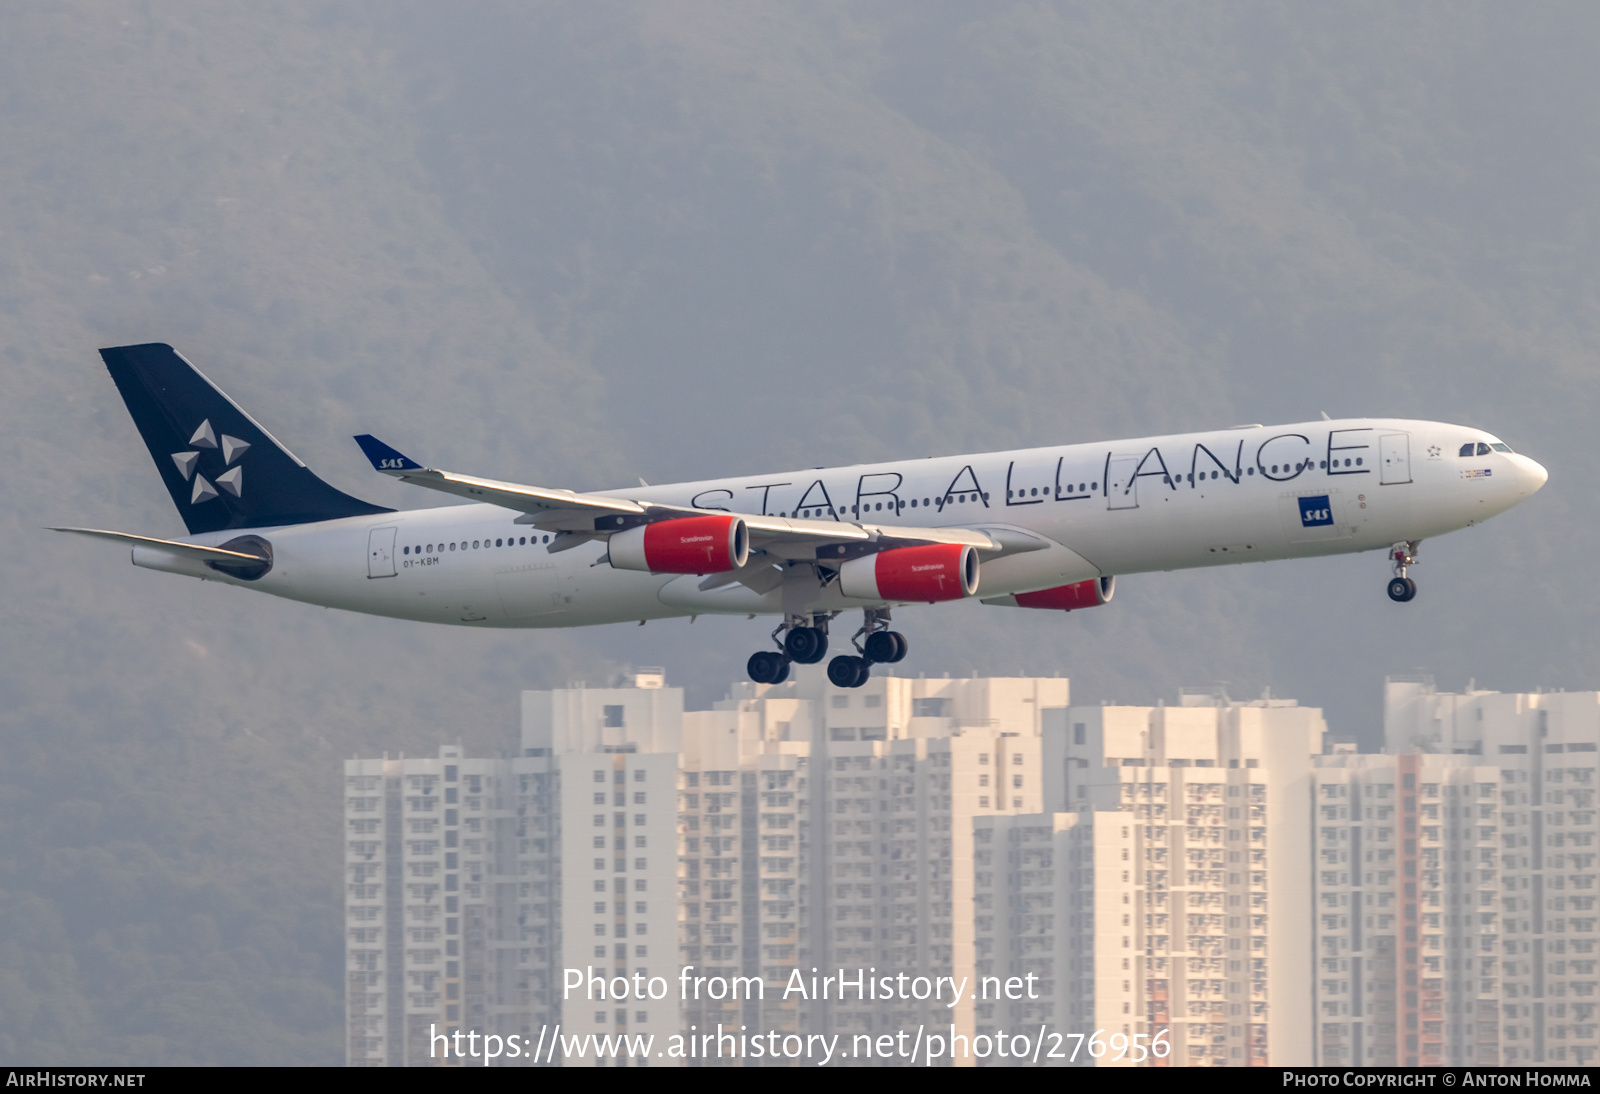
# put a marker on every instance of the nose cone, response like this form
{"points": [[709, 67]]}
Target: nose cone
{"points": [[1530, 475]]}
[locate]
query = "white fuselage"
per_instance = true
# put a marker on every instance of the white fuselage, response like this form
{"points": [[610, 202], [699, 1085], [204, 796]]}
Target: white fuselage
{"points": [[1156, 503]]}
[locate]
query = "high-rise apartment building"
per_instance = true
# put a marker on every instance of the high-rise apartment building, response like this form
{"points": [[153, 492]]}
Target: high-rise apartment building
{"points": [[1171, 904], [791, 829], [827, 829], [1408, 910], [1456, 883], [1053, 907], [744, 837], [472, 884], [422, 912], [613, 757], [1199, 884], [1544, 748]]}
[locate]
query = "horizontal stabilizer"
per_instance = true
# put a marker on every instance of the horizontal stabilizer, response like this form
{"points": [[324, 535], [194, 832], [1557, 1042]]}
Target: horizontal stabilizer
{"points": [[171, 546]]}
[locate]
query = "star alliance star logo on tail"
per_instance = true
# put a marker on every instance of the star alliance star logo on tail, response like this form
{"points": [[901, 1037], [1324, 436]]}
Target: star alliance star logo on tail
{"points": [[230, 448]]}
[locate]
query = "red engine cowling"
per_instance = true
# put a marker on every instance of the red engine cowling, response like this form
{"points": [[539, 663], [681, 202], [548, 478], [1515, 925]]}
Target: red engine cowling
{"points": [[939, 571], [1080, 594], [685, 545]]}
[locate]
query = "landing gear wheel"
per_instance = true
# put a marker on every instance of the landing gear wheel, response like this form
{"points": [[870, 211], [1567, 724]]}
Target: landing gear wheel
{"points": [[885, 647], [807, 645], [766, 667], [846, 671], [901, 646], [881, 647], [1402, 555]]}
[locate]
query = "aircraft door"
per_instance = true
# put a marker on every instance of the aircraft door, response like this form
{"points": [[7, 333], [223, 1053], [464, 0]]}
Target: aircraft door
{"points": [[1122, 482], [1394, 449], [380, 552]]}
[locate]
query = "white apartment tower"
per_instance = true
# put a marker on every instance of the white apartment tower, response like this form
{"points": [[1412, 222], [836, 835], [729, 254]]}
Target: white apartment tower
{"points": [[793, 828], [1200, 880], [826, 829], [473, 883], [1172, 903], [1054, 901], [1408, 913], [421, 907], [1540, 823]]}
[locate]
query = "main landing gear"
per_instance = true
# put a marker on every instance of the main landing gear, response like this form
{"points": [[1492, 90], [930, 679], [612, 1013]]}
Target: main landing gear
{"points": [[1401, 587], [880, 646], [805, 641]]}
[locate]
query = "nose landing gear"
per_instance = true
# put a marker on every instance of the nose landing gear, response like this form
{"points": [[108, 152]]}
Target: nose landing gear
{"points": [[1401, 587]]}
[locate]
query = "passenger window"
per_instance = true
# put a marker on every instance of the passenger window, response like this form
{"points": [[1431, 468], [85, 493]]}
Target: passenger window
{"points": [[1466, 449]]}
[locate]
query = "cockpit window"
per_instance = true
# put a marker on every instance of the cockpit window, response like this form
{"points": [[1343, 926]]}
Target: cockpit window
{"points": [[1498, 447], [1483, 449], [1467, 449]]}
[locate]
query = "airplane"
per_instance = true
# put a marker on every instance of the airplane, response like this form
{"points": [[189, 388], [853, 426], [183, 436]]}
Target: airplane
{"points": [[1047, 528]]}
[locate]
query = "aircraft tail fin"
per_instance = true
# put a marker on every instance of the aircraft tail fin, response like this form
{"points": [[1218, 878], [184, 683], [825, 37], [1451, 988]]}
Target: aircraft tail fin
{"points": [[222, 468]]}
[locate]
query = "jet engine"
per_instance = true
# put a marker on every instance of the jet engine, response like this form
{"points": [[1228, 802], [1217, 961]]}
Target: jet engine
{"points": [[939, 571], [1080, 594], [683, 545]]}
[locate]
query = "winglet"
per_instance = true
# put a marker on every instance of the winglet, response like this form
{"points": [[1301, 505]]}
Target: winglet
{"points": [[384, 458]]}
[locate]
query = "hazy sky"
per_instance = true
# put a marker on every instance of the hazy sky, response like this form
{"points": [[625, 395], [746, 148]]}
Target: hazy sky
{"points": [[572, 244]]}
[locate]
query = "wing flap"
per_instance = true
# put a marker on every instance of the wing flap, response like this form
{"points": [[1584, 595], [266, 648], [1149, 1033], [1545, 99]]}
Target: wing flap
{"points": [[761, 575]]}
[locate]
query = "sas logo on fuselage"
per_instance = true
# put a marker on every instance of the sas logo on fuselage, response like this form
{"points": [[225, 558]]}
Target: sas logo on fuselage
{"points": [[1316, 511]]}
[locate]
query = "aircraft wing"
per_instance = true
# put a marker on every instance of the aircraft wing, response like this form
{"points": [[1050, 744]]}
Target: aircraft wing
{"points": [[588, 516], [553, 509]]}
